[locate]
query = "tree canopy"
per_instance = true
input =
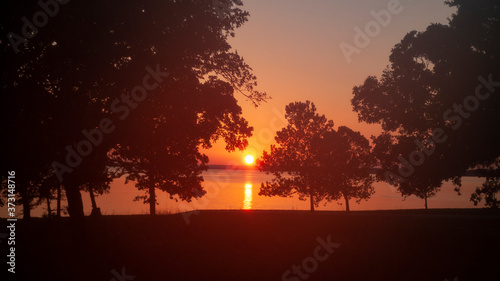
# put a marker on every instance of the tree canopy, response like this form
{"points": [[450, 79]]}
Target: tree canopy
{"points": [[437, 101], [313, 160], [128, 85], [345, 162]]}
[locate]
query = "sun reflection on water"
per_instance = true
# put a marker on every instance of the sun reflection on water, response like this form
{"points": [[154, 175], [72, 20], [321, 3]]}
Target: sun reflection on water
{"points": [[247, 202]]}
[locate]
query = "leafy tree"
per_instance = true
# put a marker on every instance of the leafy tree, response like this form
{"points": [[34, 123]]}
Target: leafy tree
{"points": [[170, 161], [436, 101], [345, 161], [292, 155], [80, 69], [388, 150], [313, 160]]}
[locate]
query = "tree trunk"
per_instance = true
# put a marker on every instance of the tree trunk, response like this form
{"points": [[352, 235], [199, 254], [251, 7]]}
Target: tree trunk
{"points": [[425, 198], [49, 210], [75, 204], [312, 201], [152, 201], [26, 200], [58, 211], [346, 203], [76, 215], [92, 198], [95, 211], [26, 207]]}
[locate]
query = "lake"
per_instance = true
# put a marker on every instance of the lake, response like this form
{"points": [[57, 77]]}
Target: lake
{"points": [[239, 189]]}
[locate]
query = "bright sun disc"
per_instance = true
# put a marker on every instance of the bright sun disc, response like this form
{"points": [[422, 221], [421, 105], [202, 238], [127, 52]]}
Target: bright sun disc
{"points": [[249, 159]]}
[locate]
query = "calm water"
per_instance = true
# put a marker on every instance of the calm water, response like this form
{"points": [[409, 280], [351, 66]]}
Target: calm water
{"points": [[239, 189]]}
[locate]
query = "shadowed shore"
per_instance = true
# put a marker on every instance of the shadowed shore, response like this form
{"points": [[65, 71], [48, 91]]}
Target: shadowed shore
{"points": [[262, 245]]}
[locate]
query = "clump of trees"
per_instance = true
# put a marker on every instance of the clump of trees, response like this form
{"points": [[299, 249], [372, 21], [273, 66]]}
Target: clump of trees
{"points": [[437, 103], [315, 161], [74, 111]]}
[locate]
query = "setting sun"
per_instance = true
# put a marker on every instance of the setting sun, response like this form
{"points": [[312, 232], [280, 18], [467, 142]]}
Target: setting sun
{"points": [[249, 159]]}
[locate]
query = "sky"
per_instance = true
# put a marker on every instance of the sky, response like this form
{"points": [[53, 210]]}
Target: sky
{"points": [[294, 49]]}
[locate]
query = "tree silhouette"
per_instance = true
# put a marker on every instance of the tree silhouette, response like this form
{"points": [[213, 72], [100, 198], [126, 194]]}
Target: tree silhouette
{"points": [[166, 156], [388, 150], [437, 101], [49, 189], [490, 188], [292, 154], [77, 73], [313, 160], [100, 186], [345, 161]]}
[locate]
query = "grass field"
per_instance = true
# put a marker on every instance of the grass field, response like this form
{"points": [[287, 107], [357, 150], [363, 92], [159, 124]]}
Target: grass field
{"points": [[264, 245]]}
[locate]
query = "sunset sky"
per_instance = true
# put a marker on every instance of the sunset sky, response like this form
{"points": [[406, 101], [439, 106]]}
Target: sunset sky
{"points": [[293, 47]]}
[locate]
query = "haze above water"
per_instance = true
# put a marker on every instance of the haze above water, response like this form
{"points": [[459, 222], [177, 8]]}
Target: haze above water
{"points": [[239, 189]]}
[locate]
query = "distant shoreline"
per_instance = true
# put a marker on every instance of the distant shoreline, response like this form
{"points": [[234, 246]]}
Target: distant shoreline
{"points": [[373, 171], [232, 167]]}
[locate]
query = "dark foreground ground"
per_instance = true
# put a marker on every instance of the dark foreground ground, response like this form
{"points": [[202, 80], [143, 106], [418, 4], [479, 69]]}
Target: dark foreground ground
{"points": [[263, 245]]}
